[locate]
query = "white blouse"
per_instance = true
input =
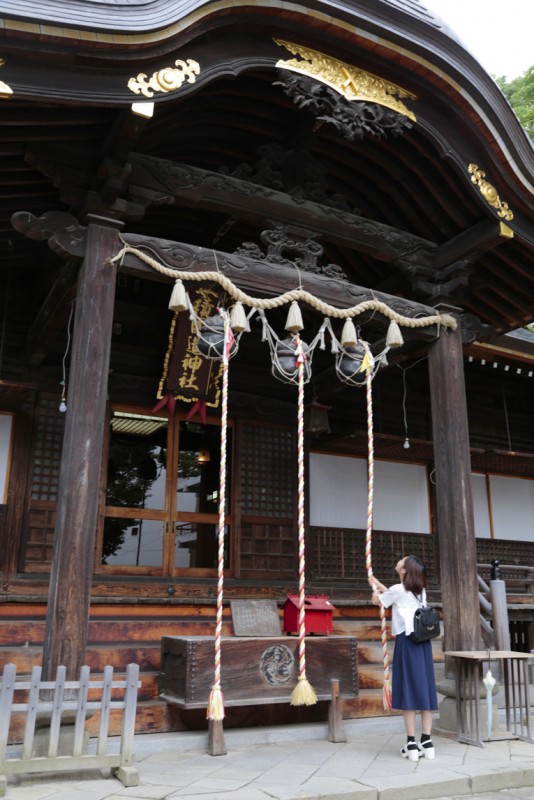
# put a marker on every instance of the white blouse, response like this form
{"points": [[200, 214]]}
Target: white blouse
{"points": [[404, 604]]}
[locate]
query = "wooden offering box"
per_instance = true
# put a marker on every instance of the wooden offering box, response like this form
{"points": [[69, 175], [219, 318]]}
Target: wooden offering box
{"points": [[318, 614], [254, 671]]}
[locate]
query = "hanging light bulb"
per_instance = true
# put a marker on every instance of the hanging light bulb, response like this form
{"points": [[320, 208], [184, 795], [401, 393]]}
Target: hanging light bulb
{"points": [[406, 444], [63, 381]]}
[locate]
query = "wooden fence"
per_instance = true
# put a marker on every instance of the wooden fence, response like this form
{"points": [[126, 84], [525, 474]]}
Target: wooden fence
{"points": [[52, 700]]}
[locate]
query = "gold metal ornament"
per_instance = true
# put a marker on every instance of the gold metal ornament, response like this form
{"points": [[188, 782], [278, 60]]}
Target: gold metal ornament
{"points": [[349, 81], [489, 192], [167, 79], [5, 91]]}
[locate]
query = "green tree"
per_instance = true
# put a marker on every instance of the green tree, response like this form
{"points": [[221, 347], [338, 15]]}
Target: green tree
{"points": [[520, 94]]}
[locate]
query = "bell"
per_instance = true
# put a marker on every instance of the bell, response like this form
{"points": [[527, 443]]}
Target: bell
{"points": [[348, 365], [285, 367], [211, 339]]}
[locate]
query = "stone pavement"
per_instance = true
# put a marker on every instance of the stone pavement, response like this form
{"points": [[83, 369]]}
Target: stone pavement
{"points": [[297, 762]]}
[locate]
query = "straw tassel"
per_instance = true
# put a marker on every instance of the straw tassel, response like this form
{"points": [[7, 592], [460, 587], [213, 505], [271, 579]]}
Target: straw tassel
{"points": [[238, 319], [303, 694], [394, 335], [294, 321], [348, 334], [216, 704], [178, 301]]}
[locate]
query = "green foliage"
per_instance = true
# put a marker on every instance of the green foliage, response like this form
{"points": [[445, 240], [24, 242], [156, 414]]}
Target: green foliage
{"points": [[520, 94]]}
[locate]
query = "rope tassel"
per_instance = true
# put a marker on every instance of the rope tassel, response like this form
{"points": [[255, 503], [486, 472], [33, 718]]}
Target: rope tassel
{"points": [[178, 301], [216, 704], [294, 322]]}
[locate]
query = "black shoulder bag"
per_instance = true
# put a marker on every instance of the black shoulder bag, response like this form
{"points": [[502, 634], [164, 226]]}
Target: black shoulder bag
{"points": [[425, 624]]}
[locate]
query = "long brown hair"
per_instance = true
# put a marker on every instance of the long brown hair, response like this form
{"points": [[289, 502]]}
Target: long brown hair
{"points": [[414, 578]]}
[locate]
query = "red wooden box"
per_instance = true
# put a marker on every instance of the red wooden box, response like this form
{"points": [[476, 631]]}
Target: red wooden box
{"points": [[317, 612]]}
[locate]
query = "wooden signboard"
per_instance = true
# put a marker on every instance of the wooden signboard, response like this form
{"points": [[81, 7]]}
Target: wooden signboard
{"points": [[255, 618]]}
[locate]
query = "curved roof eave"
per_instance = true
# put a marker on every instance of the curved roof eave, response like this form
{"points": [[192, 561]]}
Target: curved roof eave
{"points": [[402, 35]]}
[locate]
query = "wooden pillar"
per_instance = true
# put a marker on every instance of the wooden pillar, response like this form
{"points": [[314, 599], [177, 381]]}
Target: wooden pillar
{"points": [[454, 503], [75, 534]]}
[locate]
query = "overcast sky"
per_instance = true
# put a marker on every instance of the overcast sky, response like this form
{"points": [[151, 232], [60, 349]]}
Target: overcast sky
{"points": [[499, 33]]}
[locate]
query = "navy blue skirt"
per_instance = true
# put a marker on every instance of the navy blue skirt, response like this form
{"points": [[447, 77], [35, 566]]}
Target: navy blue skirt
{"points": [[413, 682]]}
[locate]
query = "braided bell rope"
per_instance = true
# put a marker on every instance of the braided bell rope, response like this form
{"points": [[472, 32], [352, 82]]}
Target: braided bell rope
{"points": [[303, 693], [443, 320], [386, 694], [216, 698]]}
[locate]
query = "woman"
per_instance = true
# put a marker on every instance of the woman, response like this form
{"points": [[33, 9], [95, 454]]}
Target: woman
{"points": [[414, 683]]}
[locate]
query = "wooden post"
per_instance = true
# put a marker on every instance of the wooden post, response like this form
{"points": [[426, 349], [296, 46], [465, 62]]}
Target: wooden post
{"points": [[216, 744], [499, 605], [75, 534], [454, 504], [336, 732]]}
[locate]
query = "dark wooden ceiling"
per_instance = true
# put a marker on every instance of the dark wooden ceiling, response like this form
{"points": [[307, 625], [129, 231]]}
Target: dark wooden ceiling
{"points": [[67, 139]]}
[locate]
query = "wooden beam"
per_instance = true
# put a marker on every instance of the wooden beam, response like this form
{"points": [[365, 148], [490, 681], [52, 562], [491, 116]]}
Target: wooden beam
{"points": [[484, 236], [156, 181], [265, 279]]}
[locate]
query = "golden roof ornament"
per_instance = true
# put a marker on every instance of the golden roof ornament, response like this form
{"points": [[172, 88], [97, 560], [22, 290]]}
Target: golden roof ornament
{"points": [[489, 192], [349, 81], [167, 79], [5, 91]]}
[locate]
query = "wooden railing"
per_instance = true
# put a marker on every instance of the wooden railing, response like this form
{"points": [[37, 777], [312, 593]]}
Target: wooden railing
{"points": [[519, 579], [76, 698]]}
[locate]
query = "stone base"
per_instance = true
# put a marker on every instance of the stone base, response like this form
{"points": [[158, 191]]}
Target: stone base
{"points": [[41, 741], [448, 721]]}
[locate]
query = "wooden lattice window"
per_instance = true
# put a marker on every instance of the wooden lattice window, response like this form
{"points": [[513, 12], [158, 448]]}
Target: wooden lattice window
{"points": [[268, 465], [267, 472], [48, 443], [49, 426], [339, 554]]}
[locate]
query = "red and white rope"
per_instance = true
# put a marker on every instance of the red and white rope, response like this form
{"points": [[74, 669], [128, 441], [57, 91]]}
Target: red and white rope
{"points": [[300, 517], [216, 700], [369, 529]]}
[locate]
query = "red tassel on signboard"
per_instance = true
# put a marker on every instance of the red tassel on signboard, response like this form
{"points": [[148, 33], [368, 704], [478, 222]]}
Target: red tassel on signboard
{"points": [[199, 407]]}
